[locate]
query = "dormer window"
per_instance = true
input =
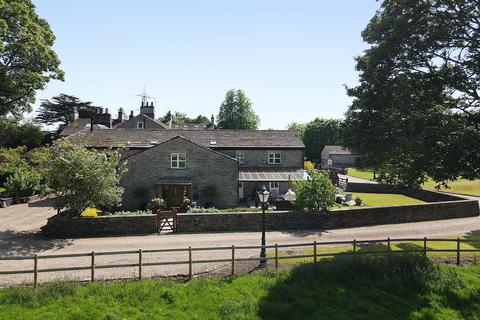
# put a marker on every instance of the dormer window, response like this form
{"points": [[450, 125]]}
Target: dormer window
{"points": [[140, 125], [274, 158]]}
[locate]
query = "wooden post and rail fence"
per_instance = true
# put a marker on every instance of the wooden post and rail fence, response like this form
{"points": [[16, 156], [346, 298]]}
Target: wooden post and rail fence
{"points": [[276, 256]]}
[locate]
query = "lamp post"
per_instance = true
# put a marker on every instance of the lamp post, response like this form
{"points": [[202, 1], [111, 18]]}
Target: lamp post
{"points": [[263, 198]]}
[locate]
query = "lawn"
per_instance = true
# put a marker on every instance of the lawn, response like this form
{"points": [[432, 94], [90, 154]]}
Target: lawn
{"points": [[472, 243], [2, 189], [401, 287], [461, 186], [385, 199]]}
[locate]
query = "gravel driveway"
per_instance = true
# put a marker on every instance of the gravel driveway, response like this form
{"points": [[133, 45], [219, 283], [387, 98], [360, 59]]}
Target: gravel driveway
{"points": [[19, 226]]}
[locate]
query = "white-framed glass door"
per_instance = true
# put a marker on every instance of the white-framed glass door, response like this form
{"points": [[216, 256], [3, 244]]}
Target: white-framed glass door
{"points": [[241, 190]]}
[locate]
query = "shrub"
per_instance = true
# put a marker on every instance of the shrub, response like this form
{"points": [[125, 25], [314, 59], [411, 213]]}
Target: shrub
{"points": [[82, 178], [203, 210], [316, 193], [24, 182], [156, 204], [309, 165]]}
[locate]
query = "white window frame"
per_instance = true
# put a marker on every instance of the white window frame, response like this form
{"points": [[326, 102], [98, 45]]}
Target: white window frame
{"points": [[140, 125], [275, 158], [176, 161], [274, 185], [240, 156]]}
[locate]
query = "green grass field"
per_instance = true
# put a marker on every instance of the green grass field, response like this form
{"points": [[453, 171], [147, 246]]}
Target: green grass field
{"points": [[461, 186], [2, 189], [400, 287], [385, 199], [473, 242]]}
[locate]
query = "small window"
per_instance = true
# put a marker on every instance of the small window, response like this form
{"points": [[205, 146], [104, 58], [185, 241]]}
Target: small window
{"points": [[178, 160], [213, 142], [240, 156], [274, 158], [140, 125], [274, 186]]}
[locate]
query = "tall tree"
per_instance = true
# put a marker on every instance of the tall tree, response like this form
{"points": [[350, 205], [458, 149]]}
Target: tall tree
{"points": [[321, 132], [236, 112], [416, 111], [14, 134], [180, 117], [27, 61], [59, 109]]}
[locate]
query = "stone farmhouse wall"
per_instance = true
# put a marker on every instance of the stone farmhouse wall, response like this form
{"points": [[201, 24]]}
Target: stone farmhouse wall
{"points": [[204, 168], [291, 158]]}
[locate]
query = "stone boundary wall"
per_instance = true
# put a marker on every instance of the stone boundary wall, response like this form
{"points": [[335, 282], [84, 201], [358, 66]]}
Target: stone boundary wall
{"points": [[67, 227], [421, 194]]}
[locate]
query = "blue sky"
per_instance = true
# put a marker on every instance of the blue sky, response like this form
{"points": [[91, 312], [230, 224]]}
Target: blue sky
{"points": [[292, 58]]}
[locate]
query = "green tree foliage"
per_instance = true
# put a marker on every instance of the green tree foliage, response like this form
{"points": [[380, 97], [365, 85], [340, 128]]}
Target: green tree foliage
{"points": [[236, 112], [27, 61], [299, 128], [59, 110], [82, 178], [321, 132], [316, 193], [10, 161], [24, 181], [13, 134], [180, 117], [416, 111]]}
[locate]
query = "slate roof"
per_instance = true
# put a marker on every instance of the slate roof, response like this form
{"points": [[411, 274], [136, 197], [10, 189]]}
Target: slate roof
{"points": [[79, 125], [215, 139], [271, 174], [338, 150]]}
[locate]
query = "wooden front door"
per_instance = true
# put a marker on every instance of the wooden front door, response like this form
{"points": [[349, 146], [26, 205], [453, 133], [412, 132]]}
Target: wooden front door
{"points": [[174, 194]]}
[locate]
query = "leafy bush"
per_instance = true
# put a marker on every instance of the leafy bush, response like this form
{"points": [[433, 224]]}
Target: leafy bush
{"points": [[309, 165], [125, 213], [210, 191], [156, 204], [82, 178], [203, 210], [316, 193], [24, 182]]}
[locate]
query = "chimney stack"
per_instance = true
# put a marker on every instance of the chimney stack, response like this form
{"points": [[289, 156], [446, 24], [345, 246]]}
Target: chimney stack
{"points": [[131, 115], [212, 122], [74, 115], [120, 115]]}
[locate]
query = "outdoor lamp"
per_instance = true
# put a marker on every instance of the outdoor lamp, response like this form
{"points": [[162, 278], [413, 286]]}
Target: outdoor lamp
{"points": [[263, 197]]}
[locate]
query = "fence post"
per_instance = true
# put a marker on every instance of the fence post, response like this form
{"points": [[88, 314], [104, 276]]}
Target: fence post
{"points": [[389, 246], [458, 251], [354, 248], [315, 251], [276, 256], [140, 264], [35, 270], [233, 260], [92, 271], [189, 263], [425, 246]]}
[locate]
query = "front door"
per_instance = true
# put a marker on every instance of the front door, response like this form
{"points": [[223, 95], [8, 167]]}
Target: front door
{"points": [[174, 194], [241, 190]]}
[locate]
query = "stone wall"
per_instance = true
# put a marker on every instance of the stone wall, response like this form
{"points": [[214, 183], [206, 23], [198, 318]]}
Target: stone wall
{"points": [[332, 220], [68, 227], [258, 158], [74, 227], [424, 195], [204, 168]]}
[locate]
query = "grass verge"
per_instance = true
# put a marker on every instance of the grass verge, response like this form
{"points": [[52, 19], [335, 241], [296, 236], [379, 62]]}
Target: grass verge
{"points": [[399, 287], [460, 186]]}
